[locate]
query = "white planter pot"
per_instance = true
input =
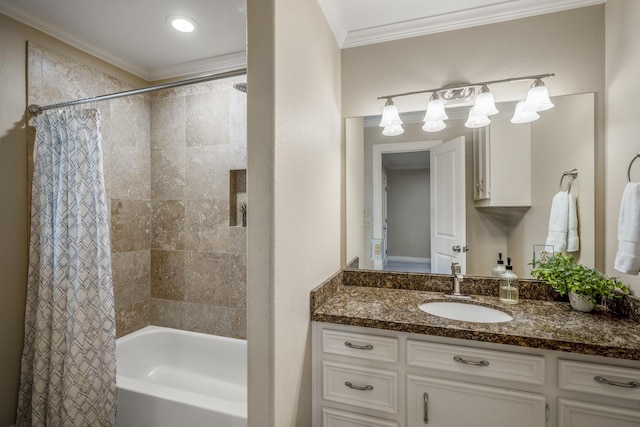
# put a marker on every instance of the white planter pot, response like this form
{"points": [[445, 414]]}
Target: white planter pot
{"points": [[580, 302]]}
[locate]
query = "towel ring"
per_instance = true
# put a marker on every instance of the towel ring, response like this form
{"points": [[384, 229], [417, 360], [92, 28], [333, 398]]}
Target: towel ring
{"points": [[631, 164], [572, 174]]}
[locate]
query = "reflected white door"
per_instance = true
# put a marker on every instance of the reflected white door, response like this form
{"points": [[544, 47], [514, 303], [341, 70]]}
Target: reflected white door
{"points": [[385, 220], [448, 208]]}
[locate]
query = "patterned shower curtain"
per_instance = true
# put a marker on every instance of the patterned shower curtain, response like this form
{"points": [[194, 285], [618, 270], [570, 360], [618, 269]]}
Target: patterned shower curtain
{"points": [[68, 373]]}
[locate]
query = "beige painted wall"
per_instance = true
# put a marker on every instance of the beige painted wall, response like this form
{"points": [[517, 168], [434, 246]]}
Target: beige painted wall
{"points": [[294, 146], [13, 192], [623, 110], [570, 44]]}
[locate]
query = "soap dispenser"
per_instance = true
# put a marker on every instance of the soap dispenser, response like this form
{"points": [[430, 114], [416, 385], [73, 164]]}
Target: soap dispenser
{"points": [[509, 288], [499, 269]]}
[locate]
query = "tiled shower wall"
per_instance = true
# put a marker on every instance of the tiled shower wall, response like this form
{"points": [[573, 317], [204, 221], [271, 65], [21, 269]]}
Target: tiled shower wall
{"points": [[176, 261], [198, 261]]}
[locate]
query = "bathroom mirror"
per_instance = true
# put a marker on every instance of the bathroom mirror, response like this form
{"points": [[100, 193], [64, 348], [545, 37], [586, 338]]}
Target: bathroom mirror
{"points": [[562, 139]]}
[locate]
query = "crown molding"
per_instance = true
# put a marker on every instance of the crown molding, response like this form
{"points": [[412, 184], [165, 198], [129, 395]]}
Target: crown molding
{"points": [[215, 64], [462, 19]]}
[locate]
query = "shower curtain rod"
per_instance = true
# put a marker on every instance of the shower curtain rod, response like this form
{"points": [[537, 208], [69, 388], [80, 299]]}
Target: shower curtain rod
{"points": [[37, 109]]}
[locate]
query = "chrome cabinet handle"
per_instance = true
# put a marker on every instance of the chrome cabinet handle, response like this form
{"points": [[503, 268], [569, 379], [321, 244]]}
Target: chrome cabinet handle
{"points": [[358, 387], [630, 384], [358, 347], [471, 362], [426, 407]]}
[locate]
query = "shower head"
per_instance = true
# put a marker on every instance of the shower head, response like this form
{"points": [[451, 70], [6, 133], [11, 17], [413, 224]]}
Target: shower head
{"points": [[242, 87]]}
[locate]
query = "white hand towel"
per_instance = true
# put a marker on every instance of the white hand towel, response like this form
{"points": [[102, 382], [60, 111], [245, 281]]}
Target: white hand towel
{"points": [[559, 222], [573, 240], [628, 255]]}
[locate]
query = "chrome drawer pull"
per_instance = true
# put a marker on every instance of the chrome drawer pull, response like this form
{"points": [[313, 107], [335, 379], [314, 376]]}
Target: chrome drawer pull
{"points": [[630, 384], [357, 387], [358, 347], [471, 362], [426, 407]]}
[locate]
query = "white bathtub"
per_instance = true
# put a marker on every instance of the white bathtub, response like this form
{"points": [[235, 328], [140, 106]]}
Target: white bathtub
{"points": [[170, 378]]}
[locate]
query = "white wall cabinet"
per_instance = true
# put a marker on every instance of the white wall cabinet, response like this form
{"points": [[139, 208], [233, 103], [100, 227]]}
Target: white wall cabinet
{"points": [[379, 378], [502, 164]]}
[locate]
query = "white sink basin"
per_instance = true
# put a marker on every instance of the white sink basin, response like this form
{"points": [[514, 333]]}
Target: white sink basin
{"points": [[465, 312]]}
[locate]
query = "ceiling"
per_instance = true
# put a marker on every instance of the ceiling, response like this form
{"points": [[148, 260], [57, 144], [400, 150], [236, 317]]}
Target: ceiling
{"points": [[135, 36]]}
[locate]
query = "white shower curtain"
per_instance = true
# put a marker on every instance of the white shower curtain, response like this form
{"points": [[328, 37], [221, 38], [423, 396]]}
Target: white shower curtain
{"points": [[68, 373]]}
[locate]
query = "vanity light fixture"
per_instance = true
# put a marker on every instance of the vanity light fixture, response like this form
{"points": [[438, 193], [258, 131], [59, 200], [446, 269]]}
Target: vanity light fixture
{"points": [[521, 116], [391, 119], [181, 23], [484, 105], [537, 97]]}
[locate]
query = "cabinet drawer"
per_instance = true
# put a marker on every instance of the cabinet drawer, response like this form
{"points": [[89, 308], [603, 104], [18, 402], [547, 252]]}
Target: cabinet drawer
{"points": [[335, 418], [477, 362], [362, 346], [599, 379], [364, 387]]}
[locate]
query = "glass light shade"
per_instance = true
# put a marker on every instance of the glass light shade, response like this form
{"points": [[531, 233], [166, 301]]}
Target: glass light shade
{"points": [[433, 125], [393, 130], [485, 105], [390, 116], [475, 121], [538, 99], [520, 116], [435, 111]]}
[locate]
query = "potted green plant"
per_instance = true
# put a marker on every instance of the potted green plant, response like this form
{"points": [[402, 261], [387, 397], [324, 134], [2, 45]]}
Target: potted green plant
{"points": [[585, 286], [243, 212]]}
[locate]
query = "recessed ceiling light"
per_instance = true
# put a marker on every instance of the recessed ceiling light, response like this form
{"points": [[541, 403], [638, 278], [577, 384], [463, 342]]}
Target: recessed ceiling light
{"points": [[183, 24]]}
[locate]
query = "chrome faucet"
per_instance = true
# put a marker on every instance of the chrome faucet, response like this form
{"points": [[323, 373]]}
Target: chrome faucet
{"points": [[457, 279]]}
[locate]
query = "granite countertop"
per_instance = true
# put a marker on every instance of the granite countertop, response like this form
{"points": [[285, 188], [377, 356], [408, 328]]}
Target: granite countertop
{"points": [[538, 323]]}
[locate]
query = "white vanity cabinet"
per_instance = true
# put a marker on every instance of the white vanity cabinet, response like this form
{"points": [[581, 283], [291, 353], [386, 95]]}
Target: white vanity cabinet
{"points": [[502, 164], [380, 378]]}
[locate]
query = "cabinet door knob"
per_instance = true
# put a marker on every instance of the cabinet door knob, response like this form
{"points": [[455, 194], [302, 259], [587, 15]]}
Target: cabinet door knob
{"points": [[471, 362], [359, 387], [630, 384], [358, 347]]}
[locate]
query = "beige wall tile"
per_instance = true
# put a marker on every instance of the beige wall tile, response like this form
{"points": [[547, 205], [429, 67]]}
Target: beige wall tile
{"points": [[131, 177], [168, 173], [207, 172], [207, 278], [130, 225], [168, 120], [238, 281], [131, 318], [208, 319], [167, 313], [168, 275], [207, 118], [207, 225], [238, 240], [167, 224]]}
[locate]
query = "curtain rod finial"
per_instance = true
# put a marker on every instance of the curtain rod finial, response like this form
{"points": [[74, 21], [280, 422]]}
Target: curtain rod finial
{"points": [[34, 109]]}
